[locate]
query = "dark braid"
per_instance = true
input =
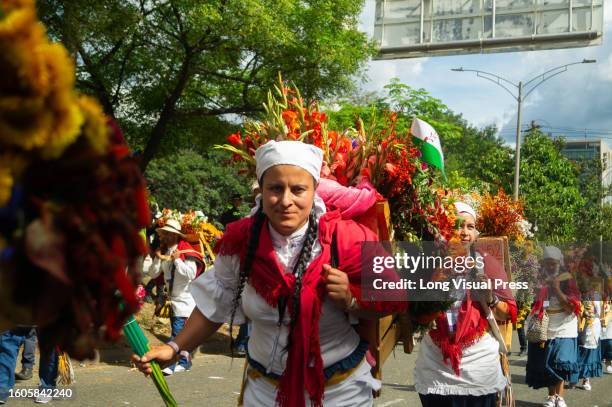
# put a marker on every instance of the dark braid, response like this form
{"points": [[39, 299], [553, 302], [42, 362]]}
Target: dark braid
{"points": [[246, 267], [301, 265]]}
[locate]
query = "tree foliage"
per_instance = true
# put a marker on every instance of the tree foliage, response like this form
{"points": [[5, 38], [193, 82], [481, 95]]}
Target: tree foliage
{"points": [[550, 188], [590, 224], [175, 68], [187, 180]]}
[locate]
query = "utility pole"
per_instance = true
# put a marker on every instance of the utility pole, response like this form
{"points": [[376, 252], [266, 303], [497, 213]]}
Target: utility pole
{"points": [[523, 90]]}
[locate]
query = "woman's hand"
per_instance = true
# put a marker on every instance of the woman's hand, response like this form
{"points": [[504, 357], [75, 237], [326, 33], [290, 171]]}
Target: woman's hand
{"points": [[164, 355], [337, 286]]}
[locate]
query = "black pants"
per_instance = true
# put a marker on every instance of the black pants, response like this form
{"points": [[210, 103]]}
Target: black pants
{"points": [[29, 349], [521, 336], [436, 400]]}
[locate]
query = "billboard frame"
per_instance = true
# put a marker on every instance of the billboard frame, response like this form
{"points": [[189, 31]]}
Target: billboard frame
{"points": [[493, 43]]}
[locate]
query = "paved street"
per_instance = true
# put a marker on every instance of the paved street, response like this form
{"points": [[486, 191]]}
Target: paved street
{"points": [[215, 380]]}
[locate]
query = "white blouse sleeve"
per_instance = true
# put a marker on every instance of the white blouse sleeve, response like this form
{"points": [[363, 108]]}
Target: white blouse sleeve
{"points": [[213, 291]]}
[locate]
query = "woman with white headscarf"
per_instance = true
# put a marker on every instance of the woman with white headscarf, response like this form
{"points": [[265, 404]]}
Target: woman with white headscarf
{"points": [[552, 363], [274, 269], [458, 364]]}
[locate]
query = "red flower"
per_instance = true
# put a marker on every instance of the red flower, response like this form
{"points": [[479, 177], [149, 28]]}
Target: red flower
{"points": [[142, 207], [235, 139], [249, 143]]}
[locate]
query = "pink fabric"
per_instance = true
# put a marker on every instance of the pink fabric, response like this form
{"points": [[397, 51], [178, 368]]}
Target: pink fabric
{"points": [[350, 201]]}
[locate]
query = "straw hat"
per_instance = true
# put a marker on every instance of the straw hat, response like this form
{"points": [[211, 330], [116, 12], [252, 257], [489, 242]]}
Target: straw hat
{"points": [[172, 226]]}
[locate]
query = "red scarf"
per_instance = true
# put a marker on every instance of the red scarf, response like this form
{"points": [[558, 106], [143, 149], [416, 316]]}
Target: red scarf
{"points": [[568, 287], [187, 252], [471, 325], [304, 369], [471, 322]]}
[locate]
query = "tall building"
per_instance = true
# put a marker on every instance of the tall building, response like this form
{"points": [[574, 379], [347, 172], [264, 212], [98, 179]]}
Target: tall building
{"points": [[590, 149]]}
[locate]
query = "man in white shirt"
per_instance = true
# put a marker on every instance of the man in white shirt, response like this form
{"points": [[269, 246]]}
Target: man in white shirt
{"points": [[180, 269]]}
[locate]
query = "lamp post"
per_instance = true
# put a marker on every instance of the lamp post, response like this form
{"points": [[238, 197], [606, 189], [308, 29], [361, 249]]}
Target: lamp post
{"points": [[603, 198], [522, 91]]}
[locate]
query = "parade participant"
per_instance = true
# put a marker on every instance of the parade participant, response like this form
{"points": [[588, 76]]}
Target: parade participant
{"points": [[551, 363], [179, 264], [28, 356], [10, 341], [274, 269], [589, 349], [459, 363], [606, 335], [47, 374]]}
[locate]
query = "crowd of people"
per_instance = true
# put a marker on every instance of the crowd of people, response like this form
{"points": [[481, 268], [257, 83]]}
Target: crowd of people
{"points": [[275, 270], [289, 275]]}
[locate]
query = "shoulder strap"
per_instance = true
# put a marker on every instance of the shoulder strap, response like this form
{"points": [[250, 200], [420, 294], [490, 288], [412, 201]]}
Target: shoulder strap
{"points": [[171, 280], [334, 251]]}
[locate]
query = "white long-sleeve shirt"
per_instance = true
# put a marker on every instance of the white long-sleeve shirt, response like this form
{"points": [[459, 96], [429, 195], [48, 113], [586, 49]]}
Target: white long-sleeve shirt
{"points": [[184, 274]]}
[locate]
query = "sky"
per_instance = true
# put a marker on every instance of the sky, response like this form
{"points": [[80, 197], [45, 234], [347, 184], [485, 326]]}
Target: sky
{"points": [[578, 99]]}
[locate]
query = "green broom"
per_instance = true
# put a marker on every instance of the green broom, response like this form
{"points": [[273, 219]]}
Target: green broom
{"points": [[140, 346]]}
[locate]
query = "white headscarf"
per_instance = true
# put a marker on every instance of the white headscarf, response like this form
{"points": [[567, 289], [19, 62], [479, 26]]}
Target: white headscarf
{"points": [[553, 252], [289, 152], [463, 207]]}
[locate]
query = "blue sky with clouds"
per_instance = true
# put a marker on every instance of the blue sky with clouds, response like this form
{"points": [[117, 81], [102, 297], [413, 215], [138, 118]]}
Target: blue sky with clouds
{"points": [[580, 98]]}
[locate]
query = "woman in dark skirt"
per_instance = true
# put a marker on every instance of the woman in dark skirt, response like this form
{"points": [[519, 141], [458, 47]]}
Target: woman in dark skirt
{"points": [[551, 363]]}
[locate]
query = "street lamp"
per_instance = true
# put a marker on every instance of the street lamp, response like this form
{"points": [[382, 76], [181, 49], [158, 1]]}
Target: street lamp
{"points": [[603, 198], [524, 89]]}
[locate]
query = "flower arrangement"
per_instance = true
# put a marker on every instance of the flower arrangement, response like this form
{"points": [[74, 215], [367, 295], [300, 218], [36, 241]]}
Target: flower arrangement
{"points": [[525, 266], [387, 159], [499, 215], [72, 199], [523, 312], [192, 224]]}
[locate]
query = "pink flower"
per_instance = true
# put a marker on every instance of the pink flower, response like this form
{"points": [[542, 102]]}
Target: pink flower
{"points": [[424, 166]]}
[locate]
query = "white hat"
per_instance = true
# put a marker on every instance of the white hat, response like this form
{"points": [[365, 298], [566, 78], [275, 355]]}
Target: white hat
{"points": [[289, 152], [552, 252], [172, 226], [463, 207]]}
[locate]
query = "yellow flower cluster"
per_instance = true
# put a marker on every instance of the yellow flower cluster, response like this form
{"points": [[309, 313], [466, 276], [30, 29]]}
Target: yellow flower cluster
{"points": [[522, 315], [11, 166], [210, 232], [95, 129], [40, 112]]}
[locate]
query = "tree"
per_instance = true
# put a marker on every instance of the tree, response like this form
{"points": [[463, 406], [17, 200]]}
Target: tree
{"points": [[166, 68], [187, 180], [474, 158], [550, 188], [591, 221]]}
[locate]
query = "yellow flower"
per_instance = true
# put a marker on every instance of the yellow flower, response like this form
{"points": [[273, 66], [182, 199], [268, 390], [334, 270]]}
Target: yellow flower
{"points": [[6, 186], [22, 70], [66, 126], [38, 108], [11, 167], [210, 232], [95, 129], [19, 16]]}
